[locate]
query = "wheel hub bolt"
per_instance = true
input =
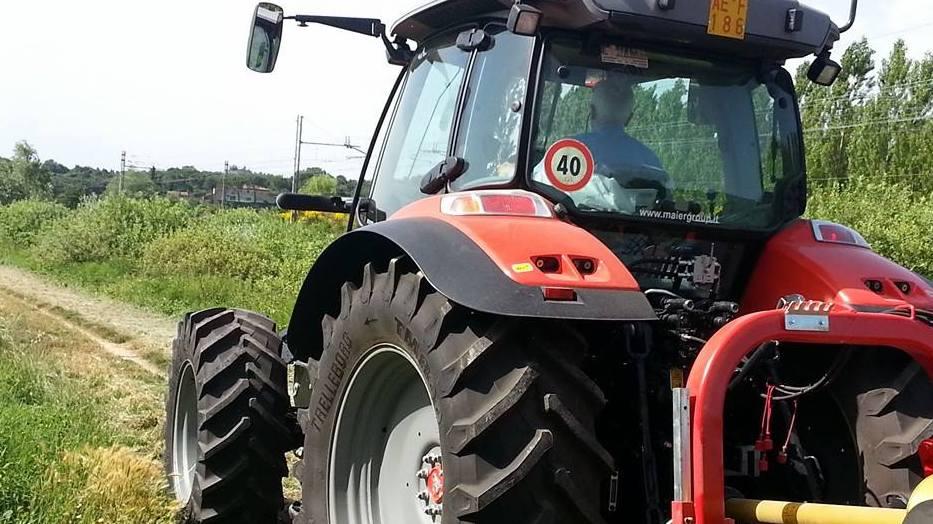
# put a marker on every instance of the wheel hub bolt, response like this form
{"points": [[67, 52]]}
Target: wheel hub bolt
{"points": [[432, 476]]}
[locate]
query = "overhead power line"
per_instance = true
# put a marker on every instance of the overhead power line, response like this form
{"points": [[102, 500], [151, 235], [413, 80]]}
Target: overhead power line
{"points": [[903, 30], [872, 177], [880, 91], [916, 118]]}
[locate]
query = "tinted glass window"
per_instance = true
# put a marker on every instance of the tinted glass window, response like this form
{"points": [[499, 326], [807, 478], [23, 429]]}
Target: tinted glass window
{"points": [[420, 132], [664, 138], [491, 125]]}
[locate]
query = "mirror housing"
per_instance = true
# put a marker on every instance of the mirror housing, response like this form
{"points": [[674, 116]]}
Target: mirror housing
{"points": [[824, 71], [698, 110], [265, 37], [323, 204]]}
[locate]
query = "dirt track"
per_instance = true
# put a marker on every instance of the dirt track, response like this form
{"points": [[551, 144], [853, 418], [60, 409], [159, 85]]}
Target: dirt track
{"points": [[126, 331]]}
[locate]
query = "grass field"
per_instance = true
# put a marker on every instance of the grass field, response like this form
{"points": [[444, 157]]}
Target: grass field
{"points": [[81, 430], [166, 256]]}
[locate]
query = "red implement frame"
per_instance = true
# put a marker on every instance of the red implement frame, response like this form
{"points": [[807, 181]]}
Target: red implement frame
{"points": [[716, 363]]}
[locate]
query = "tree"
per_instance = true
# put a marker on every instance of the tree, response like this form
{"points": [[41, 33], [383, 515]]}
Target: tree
{"points": [[54, 167], [23, 176], [320, 182], [874, 122], [320, 185], [135, 183]]}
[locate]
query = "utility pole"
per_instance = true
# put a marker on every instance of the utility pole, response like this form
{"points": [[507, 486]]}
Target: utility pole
{"points": [[223, 186], [298, 142], [299, 124], [122, 170]]}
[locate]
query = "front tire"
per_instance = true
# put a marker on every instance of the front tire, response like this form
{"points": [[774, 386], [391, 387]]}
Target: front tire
{"points": [[226, 430], [501, 402]]}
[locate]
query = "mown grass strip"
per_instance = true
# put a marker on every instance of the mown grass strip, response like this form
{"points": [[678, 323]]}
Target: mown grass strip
{"points": [[81, 431]]}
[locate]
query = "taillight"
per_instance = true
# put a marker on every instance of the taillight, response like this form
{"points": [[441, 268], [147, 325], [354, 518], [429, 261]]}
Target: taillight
{"points": [[496, 202], [559, 294], [925, 453], [837, 234]]}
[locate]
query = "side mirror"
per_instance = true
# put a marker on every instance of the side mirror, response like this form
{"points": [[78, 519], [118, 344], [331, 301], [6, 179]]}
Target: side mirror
{"points": [[265, 37], [698, 105], [323, 204]]}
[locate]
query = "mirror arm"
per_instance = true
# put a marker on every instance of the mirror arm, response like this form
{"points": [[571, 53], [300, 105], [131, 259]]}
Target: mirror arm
{"points": [[852, 12], [321, 203], [364, 26], [397, 52]]}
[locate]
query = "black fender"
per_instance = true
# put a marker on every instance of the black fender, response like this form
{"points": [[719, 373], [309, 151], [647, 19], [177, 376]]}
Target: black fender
{"points": [[453, 265]]}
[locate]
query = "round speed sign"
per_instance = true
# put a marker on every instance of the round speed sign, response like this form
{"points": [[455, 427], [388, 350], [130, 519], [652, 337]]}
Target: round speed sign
{"points": [[568, 165]]}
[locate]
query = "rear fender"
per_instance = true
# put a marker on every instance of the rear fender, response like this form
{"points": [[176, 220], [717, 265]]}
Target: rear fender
{"points": [[793, 262], [483, 263]]}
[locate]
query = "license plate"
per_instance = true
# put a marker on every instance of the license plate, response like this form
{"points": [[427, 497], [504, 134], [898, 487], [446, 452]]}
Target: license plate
{"points": [[727, 18]]}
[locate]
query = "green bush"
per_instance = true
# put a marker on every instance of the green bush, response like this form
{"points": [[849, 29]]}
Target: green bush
{"points": [[21, 221], [110, 228], [896, 220], [240, 244], [238, 258]]}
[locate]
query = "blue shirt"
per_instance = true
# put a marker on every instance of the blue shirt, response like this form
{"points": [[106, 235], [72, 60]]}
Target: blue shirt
{"points": [[615, 150]]}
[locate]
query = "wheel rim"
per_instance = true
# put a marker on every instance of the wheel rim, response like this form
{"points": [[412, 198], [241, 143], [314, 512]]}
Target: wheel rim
{"points": [[385, 457], [185, 435]]}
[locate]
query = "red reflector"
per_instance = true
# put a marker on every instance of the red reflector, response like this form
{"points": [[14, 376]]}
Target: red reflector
{"points": [[560, 294], [925, 452], [835, 233], [508, 204]]}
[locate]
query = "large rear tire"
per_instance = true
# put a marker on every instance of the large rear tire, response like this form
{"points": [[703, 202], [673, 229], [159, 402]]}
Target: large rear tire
{"points": [[891, 413], [513, 416], [226, 429]]}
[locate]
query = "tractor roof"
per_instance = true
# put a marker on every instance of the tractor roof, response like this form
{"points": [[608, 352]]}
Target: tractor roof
{"points": [[768, 29]]}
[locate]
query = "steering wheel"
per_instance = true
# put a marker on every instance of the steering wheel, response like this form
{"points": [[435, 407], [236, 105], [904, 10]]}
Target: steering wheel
{"points": [[643, 177], [644, 183]]}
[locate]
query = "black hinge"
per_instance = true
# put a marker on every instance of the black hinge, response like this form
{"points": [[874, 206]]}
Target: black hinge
{"points": [[442, 174], [474, 40]]}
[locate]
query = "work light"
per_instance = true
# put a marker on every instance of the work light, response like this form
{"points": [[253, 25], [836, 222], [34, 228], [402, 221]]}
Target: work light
{"points": [[524, 19]]}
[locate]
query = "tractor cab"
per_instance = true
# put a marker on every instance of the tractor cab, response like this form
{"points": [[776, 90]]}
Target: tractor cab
{"points": [[658, 113], [670, 131]]}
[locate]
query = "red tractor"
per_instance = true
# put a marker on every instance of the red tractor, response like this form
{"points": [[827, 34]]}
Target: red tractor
{"points": [[576, 287]]}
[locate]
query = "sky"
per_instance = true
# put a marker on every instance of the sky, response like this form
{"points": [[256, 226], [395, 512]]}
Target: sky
{"points": [[166, 80]]}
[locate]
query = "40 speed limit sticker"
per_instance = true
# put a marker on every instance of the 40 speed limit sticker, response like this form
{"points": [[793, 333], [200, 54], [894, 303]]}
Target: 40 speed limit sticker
{"points": [[568, 165]]}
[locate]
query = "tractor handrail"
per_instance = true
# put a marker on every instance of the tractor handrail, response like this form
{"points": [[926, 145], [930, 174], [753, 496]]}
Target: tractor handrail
{"points": [[717, 361]]}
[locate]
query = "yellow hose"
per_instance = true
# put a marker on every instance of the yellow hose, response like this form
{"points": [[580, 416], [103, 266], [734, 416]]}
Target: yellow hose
{"points": [[774, 512]]}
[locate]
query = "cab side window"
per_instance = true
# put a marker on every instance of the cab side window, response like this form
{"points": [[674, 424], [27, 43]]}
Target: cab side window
{"points": [[490, 129], [420, 131]]}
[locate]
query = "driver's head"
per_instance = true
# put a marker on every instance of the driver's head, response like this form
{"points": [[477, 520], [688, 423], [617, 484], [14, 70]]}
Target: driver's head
{"points": [[612, 104]]}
